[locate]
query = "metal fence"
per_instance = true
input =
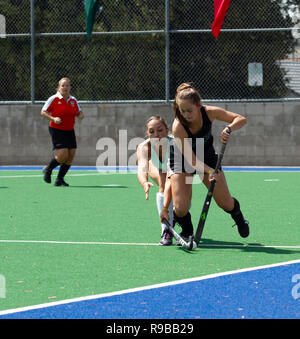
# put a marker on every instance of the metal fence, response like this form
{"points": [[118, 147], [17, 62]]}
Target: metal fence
{"points": [[141, 50]]}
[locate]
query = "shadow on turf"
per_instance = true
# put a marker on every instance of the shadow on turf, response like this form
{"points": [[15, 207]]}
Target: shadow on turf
{"points": [[209, 243]]}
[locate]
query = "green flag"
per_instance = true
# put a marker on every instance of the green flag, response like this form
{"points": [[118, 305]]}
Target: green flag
{"points": [[91, 7]]}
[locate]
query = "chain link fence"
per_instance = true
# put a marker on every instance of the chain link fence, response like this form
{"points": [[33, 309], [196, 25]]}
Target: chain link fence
{"points": [[141, 50]]}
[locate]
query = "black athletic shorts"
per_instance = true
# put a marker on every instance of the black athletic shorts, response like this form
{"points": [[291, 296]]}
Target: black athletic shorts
{"points": [[210, 159], [62, 139]]}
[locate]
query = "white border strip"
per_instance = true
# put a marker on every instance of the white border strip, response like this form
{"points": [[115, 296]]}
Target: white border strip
{"points": [[76, 242], [138, 289], [232, 169], [139, 244]]}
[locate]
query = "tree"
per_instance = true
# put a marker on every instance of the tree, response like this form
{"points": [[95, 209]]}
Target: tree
{"points": [[219, 68], [15, 52], [132, 66]]}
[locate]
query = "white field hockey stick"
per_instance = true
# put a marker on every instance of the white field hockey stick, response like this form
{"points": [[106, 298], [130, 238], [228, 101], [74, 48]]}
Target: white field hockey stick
{"points": [[188, 245]]}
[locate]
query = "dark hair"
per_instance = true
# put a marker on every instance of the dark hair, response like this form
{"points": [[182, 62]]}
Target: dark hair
{"points": [[185, 91]]}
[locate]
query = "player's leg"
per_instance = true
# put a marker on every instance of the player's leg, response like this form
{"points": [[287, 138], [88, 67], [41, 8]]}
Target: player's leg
{"points": [[60, 157], [47, 171], [160, 179], [182, 195], [221, 192], [229, 204], [57, 141], [64, 167], [70, 144], [166, 236]]}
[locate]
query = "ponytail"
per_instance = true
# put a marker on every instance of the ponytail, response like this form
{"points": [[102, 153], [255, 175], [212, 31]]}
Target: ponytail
{"points": [[185, 91]]}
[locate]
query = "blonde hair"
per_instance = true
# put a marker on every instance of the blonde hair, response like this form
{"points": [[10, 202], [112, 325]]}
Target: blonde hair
{"points": [[185, 91], [63, 79]]}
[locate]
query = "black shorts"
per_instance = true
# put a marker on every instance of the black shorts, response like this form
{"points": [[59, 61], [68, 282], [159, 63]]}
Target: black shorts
{"points": [[210, 159], [62, 139]]}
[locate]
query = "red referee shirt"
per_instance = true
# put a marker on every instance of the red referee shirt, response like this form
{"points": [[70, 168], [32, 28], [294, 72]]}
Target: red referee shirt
{"points": [[66, 110]]}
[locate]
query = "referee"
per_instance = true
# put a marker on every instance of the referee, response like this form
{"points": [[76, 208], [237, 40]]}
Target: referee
{"points": [[61, 109]]}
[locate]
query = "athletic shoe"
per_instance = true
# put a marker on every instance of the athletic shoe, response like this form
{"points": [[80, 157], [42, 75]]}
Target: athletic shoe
{"points": [[243, 228], [60, 182], [47, 175], [166, 238]]}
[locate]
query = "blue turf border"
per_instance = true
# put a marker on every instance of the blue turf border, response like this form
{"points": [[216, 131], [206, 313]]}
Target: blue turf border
{"points": [[253, 294]]}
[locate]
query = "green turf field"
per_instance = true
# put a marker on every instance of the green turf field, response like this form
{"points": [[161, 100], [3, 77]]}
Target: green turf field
{"points": [[100, 235]]}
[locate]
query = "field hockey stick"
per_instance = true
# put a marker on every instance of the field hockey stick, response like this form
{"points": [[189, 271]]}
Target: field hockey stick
{"points": [[209, 195], [188, 245]]}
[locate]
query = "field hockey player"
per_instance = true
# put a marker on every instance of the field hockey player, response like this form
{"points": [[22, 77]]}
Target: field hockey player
{"points": [[193, 120], [152, 155]]}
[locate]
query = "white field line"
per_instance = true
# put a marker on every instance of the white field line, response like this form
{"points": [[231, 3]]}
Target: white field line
{"points": [[124, 170], [139, 244], [75, 242]]}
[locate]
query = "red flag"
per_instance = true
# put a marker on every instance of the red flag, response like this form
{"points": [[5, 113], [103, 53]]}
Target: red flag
{"points": [[221, 7]]}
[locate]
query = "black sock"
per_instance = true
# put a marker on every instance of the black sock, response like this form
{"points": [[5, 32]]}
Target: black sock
{"points": [[52, 164], [236, 213], [186, 224], [63, 170]]}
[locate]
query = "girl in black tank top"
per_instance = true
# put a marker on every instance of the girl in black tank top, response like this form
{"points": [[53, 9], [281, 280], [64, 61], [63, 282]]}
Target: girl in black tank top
{"points": [[210, 156], [187, 108]]}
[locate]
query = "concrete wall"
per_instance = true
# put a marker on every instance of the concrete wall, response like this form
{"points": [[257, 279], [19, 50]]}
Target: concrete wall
{"points": [[271, 137]]}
